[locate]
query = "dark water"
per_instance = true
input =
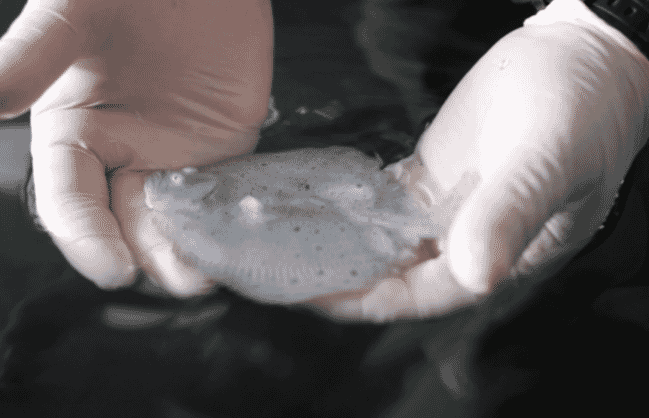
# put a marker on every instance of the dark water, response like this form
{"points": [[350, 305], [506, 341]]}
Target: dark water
{"points": [[567, 347]]}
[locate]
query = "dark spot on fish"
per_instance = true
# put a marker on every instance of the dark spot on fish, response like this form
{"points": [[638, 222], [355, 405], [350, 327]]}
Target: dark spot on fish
{"points": [[264, 188], [312, 168], [297, 255], [322, 207], [321, 273], [307, 187], [318, 248], [342, 255], [359, 185], [317, 231], [264, 164], [242, 175], [296, 229], [282, 196], [353, 273], [294, 280]]}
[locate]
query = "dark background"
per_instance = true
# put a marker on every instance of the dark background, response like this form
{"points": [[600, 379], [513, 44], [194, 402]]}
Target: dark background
{"points": [[573, 345]]}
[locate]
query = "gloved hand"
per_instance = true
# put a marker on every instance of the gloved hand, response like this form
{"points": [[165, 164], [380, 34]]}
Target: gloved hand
{"points": [[549, 120], [133, 86]]}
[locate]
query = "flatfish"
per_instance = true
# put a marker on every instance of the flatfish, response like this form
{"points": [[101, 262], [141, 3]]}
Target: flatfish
{"points": [[290, 226]]}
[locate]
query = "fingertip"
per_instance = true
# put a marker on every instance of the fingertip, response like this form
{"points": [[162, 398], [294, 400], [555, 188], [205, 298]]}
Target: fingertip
{"points": [[340, 307], [123, 278], [434, 289], [107, 263], [180, 280], [388, 301], [478, 255], [466, 265]]}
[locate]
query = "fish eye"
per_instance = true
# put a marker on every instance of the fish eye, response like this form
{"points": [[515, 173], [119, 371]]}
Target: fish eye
{"points": [[177, 179]]}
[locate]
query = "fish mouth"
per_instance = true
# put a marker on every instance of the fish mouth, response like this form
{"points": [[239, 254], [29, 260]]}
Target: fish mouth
{"points": [[196, 179], [200, 185], [211, 191]]}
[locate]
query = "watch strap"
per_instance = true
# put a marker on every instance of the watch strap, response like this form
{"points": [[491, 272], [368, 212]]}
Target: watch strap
{"points": [[631, 17]]}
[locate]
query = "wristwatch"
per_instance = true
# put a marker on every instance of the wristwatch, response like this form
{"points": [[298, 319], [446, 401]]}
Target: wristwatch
{"points": [[631, 17]]}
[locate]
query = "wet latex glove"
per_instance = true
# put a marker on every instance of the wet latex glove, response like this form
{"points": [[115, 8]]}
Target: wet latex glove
{"points": [[133, 86], [550, 119]]}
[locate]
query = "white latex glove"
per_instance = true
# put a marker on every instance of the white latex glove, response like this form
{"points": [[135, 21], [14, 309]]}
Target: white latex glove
{"points": [[550, 120], [182, 83]]}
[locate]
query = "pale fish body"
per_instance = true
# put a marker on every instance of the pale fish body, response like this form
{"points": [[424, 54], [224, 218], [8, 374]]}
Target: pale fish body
{"points": [[291, 226]]}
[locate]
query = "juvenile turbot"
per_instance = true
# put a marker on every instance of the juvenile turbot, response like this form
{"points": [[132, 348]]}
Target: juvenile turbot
{"points": [[294, 225]]}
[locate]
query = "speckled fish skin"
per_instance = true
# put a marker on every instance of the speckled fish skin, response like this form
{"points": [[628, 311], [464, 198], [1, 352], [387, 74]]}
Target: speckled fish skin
{"points": [[291, 226]]}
